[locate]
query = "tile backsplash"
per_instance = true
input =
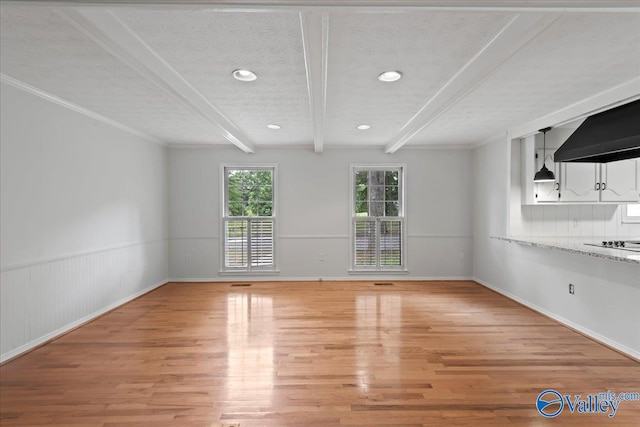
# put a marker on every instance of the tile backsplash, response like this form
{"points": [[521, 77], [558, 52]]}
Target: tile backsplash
{"points": [[573, 220]]}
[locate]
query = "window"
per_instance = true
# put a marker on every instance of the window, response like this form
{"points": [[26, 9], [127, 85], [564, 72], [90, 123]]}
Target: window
{"points": [[377, 218], [248, 219], [631, 214]]}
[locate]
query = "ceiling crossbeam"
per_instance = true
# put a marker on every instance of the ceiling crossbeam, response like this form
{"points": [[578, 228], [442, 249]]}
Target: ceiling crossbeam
{"points": [[315, 39], [513, 37], [116, 38]]}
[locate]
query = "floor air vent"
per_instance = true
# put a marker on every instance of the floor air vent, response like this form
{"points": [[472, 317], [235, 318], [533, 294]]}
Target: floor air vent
{"points": [[383, 284], [240, 285]]}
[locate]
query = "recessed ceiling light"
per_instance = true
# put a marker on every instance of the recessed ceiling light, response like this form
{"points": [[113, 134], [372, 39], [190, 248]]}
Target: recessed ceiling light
{"points": [[363, 127], [244, 75], [390, 76], [274, 126]]}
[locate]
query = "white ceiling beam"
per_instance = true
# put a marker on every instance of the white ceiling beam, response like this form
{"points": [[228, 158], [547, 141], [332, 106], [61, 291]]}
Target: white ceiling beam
{"points": [[515, 35], [115, 37], [315, 40]]}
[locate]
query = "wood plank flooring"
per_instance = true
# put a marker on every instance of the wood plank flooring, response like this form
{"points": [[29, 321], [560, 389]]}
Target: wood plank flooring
{"points": [[314, 354]]}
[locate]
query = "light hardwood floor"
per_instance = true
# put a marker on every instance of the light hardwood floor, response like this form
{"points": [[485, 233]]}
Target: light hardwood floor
{"points": [[314, 354]]}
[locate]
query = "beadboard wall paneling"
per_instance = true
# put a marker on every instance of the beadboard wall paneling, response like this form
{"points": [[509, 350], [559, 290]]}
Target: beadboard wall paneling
{"points": [[574, 220], [45, 299]]}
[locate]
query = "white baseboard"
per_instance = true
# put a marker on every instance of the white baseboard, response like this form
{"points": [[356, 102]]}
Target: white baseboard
{"points": [[358, 278], [596, 336], [58, 332]]}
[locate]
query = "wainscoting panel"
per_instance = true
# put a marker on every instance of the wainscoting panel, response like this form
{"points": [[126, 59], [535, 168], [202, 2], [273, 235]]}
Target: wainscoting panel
{"points": [[45, 298]]}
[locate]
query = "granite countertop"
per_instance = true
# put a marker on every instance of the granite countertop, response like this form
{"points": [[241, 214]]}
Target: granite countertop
{"points": [[577, 245]]}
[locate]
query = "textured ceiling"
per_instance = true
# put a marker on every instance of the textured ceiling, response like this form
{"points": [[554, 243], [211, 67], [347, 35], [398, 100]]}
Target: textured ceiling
{"points": [[205, 47], [469, 73], [428, 47]]}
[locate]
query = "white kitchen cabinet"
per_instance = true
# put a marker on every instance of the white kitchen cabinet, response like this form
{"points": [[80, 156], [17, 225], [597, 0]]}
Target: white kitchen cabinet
{"points": [[578, 182], [608, 182], [620, 181]]}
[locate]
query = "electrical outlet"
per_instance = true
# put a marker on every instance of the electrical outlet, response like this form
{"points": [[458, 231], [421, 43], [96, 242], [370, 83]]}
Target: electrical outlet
{"points": [[572, 289], [321, 257]]}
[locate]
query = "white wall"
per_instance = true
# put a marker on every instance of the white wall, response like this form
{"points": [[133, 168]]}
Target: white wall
{"points": [[606, 304], [314, 213], [83, 218]]}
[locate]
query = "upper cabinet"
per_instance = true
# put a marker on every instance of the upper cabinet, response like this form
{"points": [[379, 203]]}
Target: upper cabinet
{"points": [[620, 181], [578, 182], [614, 182]]}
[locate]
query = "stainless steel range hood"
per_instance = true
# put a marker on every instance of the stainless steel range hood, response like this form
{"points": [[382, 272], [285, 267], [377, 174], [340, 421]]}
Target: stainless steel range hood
{"points": [[604, 137]]}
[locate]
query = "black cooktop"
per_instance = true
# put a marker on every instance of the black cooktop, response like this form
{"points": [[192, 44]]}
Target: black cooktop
{"points": [[625, 245]]}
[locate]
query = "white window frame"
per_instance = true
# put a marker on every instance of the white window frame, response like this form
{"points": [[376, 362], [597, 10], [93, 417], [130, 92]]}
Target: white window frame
{"points": [[273, 269], [629, 219], [378, 268]]}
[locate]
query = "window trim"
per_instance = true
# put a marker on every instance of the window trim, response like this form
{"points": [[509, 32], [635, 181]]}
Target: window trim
{"points": [[628, 219], [402, 208], [224, 218]]}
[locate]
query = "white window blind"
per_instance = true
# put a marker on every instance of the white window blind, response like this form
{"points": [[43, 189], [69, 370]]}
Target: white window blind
{"points": [[366, 247], [249, 218], [261, 242], [390, 242], [236, 238]]}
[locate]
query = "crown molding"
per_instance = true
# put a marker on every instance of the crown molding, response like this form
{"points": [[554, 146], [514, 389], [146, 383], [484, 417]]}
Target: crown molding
{"points": [[75, 107]]}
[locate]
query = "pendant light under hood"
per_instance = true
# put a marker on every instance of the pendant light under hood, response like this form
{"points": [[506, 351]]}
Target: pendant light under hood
{"points": [[544, 174]]}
